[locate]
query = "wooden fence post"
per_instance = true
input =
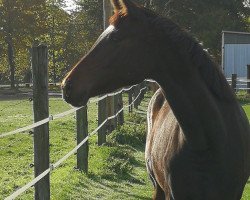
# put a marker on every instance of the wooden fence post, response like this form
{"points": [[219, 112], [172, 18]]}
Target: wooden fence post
{"points": [[82, 133], [110, 101], [41, 111], [102, 115], [234, 82], [130, 99], [120, 118], [103, 104], [136, 92], [248, 78], [143, 92], [111, 124], [116, 109]]}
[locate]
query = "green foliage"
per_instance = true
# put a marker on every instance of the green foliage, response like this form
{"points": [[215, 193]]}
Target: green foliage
{"points": [[118, 163], [206, 19], [243, 97], [122, 141], [20, 21], [132, 135], [70, 35]]}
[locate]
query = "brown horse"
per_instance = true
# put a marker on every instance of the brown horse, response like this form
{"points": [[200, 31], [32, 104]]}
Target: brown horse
{"points": [[198, 143]]}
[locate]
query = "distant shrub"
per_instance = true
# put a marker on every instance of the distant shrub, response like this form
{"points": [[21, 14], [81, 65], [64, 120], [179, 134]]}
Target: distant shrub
{"points": [[136, 118], [133, 135], [122, 141], [119, 163], [243, 97], [120, 160]]}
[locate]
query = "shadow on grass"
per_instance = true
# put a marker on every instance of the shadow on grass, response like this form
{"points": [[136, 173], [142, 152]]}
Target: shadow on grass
{"points": [[117, 178], [120, 164], [117, 174], [115, 187]]}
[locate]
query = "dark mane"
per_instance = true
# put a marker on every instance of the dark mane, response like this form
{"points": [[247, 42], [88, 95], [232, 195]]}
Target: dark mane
{"points": [[187, 47], [193, 53]]}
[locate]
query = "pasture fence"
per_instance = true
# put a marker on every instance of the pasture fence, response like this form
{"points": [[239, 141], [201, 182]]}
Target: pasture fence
{"points": [[40, 127], [41, 110], [60, 161], [239, 84]]}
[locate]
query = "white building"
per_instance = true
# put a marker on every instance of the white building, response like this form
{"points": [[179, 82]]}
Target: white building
{"points": [[235, 53]]}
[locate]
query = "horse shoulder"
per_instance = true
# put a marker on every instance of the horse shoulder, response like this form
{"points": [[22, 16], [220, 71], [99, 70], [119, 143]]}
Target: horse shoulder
{"points": [[164, 140], [155, 105], [154, 108]]}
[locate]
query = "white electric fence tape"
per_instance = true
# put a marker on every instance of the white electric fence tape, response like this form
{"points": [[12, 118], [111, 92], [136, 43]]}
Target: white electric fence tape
{"points": [[53, 166]]}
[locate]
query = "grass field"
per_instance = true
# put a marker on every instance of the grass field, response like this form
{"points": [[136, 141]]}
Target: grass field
{"points": [[116, 170]]}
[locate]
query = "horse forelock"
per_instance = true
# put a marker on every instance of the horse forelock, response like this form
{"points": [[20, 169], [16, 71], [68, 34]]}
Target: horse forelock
{"points": [[117, 17], [129, 10]]}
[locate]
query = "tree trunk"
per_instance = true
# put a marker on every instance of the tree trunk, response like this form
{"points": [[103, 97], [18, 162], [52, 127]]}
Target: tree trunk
{"points": [[9, 40], [11, 60]]}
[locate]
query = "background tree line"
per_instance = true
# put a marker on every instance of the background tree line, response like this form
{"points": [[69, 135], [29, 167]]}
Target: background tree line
{"points": [[69, 35]]}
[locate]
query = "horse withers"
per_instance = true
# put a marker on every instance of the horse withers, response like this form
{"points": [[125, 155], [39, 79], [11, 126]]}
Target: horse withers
{"points": [[198, 142]]}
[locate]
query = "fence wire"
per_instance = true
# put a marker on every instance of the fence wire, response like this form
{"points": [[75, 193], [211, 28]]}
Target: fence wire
{"points": [[60, 115], [59, 162]]}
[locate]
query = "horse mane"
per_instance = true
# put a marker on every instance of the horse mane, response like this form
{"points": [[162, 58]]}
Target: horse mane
{"points": [[192, 52], [186, 46]]}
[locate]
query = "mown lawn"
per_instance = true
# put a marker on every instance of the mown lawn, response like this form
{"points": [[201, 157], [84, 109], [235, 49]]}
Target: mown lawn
{"points": [[245, 101], [116, 170]]}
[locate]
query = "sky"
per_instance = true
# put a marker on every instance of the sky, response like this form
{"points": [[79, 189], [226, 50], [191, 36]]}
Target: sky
{"points": [[69, 5]]}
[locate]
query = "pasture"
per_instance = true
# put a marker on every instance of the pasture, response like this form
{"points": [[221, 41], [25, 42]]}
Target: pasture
{"points": [[116, 170]]}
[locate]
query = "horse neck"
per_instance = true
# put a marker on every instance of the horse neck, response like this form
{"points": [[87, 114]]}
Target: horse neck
{"points": [[195, 105]]}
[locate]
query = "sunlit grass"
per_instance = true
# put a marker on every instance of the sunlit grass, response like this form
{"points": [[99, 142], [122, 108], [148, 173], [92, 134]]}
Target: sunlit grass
{"points": [[16, 154], [104, 180]]}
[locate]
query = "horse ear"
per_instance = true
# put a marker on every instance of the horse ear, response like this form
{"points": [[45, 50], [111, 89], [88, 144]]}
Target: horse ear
{"points": [[127, 6], [116, 5], [122, 5]]}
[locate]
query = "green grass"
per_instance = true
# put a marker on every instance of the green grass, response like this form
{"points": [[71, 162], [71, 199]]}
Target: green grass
{"points": [[244, 99], [116, 170]]}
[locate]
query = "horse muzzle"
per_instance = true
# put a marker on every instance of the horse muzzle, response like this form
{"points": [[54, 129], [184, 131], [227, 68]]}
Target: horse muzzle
{"points": [[68, 94]]}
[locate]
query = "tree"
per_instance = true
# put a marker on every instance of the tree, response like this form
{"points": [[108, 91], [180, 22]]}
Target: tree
{"points": [[18, 21], [86, 24], [57, 23], [206, 19], [70, 35]]}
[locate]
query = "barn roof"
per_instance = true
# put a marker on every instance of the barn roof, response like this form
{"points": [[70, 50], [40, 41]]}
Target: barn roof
{"points": [[232, 37]]}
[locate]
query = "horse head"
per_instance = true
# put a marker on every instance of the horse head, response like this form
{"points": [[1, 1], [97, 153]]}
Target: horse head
{"points": [[121, 56]]}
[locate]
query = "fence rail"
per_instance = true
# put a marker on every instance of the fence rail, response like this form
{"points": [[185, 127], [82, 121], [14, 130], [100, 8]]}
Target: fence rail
{"points": [[239, 83], [39, 62], [59, 162], [60, 115], [234, 81]]}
